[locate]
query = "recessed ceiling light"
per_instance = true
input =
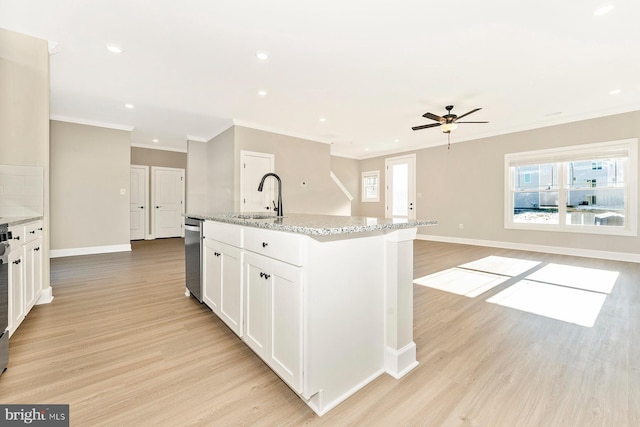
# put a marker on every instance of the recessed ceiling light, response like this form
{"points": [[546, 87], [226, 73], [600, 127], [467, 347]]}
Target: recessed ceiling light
{"points": [[262, 92], [262, 55], [615, 92], [129, 106], [155, 140], [113, 48], [603, 10], [322, 119]]}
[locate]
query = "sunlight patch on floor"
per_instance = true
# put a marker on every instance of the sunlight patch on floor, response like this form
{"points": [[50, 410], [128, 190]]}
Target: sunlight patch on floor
{"points": [[557, 302], [462, 282], [501, 265], [590, 279]]}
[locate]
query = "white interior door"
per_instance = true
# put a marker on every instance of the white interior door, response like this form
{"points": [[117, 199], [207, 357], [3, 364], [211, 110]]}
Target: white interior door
{"points": [[138, 207], [252, 168], [167, 190], [400, 188]]}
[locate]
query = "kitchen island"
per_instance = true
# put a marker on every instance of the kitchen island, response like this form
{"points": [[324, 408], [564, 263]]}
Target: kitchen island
{"points": [[325, 301]]}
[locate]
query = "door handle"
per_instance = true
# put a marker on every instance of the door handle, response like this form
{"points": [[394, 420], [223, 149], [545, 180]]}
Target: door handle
{"points": [[141, 207], [158, 207]]}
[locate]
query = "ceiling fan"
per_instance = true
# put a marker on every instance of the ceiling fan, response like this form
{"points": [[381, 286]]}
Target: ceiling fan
{"points": [[448, 122]]}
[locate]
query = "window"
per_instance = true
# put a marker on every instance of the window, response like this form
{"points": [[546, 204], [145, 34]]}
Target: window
{"points": [[371, 186], [587, 188]]}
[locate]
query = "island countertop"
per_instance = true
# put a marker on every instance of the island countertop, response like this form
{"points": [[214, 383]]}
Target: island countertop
{"points": [[315, 225]]}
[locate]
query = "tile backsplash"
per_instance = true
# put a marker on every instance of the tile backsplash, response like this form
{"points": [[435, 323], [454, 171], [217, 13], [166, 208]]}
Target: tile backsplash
{"points": [[21, 191]]}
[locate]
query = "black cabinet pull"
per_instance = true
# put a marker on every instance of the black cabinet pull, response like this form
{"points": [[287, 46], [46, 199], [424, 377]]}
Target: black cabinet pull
{"points": [[17, 261], [37, 249], [265, 275], [216, 253], [32, 232], [265, 244], [16, 238], [40, 229]]}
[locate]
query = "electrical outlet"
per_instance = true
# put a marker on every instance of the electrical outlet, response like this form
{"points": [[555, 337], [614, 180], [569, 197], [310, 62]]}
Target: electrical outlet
{"points": [[123, 191], [461, 226]]}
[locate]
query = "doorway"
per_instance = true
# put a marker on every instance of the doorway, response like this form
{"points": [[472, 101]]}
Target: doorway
{"points": [[400, 189], [167, 201]]}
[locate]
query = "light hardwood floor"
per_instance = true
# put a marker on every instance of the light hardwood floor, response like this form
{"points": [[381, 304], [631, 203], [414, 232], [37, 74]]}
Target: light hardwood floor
{"points": [[123, 346]]}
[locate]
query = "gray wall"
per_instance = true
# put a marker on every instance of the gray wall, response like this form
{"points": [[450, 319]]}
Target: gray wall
{"points": [[220, 169], [196, 176], [348, 172], [163, 158], [24, 113], [465, 185], [89, 166]]}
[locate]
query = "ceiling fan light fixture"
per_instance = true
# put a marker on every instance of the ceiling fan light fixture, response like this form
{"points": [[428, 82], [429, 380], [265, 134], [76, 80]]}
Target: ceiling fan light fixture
{"points": [[448, 127]]}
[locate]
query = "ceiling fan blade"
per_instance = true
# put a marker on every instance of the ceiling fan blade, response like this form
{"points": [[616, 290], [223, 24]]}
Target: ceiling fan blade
{"points": [[433, 117], [470, 122], [466, 114], [432, 125]]}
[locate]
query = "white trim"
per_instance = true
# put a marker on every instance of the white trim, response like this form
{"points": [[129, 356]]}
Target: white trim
{"points": [[558, 250], [281, 132], [198, 138], [46, 296], [340, 185], [215, 133], [158, 147], [88, 122], [398, 363], [89, 250]]}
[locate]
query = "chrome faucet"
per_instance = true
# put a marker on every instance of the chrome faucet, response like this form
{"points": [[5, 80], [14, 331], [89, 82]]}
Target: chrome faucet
{"points": [[278, 208]]}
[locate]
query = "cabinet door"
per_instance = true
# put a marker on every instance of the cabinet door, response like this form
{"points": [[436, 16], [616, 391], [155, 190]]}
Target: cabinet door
{"points": [[231, 287], [212, 273], [32, 273], [285, 308], [16, 289], [256, 285]]}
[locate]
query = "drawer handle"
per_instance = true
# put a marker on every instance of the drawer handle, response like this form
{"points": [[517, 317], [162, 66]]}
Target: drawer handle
{"points": [[16, 238], [265, 244], [265, 275], [17, 261], [32, 232], [216, 253], [40, 229], [37, 249]]}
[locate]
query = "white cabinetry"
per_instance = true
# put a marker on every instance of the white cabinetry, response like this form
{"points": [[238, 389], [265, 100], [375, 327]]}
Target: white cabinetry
{"points": [[25, 271], [16, 289], [274, 315], [222, 290]]}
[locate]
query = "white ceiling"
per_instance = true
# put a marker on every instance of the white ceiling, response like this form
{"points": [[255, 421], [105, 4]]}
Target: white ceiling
{"points": [[370, 68]]}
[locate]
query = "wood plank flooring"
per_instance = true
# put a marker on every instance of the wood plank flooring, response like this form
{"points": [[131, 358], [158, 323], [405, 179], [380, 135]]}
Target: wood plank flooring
{"points": [[123, 346]]}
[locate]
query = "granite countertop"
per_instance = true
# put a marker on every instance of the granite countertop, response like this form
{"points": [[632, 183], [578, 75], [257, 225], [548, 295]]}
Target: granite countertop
{"points": [[17, 220], [315, 225]]}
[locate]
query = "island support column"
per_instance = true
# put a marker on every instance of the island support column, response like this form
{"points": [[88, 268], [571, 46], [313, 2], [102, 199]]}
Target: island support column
{"points": [[400, 350]]}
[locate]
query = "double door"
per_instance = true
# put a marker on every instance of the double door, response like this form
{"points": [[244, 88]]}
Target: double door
{"points": [[273, 326]]}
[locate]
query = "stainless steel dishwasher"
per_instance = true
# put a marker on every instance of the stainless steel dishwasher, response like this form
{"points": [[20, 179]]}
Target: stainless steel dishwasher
{"points": [[193, 256]]}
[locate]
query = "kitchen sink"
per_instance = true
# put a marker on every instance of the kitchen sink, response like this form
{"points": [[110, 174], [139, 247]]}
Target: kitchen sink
{"points": [[254, 216]]}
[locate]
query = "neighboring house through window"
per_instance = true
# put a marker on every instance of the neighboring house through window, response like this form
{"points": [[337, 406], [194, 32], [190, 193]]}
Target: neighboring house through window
{"points": [[586, 188]]}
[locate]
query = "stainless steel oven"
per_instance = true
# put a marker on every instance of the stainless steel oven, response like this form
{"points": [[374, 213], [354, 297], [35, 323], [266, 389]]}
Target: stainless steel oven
{"points": [[4, 297]]}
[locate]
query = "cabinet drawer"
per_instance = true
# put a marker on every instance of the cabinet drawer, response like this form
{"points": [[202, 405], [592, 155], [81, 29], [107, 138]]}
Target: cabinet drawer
{"points": [[280, 245], [17, 236], [32, 231], [225, 233]]}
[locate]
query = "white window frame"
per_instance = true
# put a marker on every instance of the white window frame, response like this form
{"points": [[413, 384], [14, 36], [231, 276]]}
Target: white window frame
{"points": [[365, 176], [627, 148]]}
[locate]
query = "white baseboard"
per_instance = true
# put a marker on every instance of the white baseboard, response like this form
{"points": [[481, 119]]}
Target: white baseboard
{"points": [[399, 362], [559, 250], [91, 250], [46, 296]]}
